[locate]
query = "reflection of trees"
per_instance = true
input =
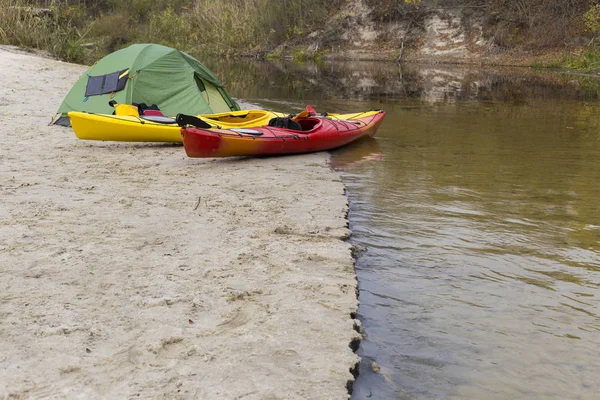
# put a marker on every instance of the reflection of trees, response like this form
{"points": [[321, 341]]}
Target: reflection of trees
{"points": [[386, 82]]}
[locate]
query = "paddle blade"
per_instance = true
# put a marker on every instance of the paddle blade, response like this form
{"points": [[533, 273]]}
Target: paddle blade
{"points": [[185, 120], [310, 111]]}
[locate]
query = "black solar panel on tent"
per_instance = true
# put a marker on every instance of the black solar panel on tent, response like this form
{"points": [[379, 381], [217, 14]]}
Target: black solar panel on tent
{"points": [[109, 83]]}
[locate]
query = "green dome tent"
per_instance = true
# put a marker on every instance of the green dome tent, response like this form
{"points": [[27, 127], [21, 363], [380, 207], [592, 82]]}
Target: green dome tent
{"points": [[151, 74]]}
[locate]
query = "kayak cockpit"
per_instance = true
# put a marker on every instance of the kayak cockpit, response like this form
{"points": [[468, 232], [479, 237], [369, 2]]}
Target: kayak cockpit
{"points": [[309, 124]]}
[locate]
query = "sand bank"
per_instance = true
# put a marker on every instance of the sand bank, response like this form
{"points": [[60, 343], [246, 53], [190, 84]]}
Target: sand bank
{"points": [[130, 271]]}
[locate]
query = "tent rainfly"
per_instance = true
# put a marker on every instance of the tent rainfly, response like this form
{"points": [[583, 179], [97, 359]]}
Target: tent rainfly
{"points": [[147, 73]]}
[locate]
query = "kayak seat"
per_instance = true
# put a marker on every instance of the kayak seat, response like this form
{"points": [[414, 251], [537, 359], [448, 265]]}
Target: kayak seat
{"points": [[151, 110], [308, 124], [155, 113], [285, 123]]}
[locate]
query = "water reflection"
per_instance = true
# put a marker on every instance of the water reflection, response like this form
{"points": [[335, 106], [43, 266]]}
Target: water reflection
{"points": [[478, 204], [367, 150], [297, 84]]}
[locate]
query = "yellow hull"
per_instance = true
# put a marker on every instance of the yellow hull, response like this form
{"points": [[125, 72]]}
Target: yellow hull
{"points": [[126, 128]]}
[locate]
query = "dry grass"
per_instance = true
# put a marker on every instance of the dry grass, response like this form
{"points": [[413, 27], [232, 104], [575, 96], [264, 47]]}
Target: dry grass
{"points": [[82, 31], [57, 31]]}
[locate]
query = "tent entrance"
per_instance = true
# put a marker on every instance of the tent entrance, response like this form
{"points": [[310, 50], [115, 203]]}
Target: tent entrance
{"points": [[199, 83]]}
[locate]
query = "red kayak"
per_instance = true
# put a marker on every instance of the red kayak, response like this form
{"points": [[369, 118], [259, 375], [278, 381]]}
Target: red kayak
{"points": [[302, 134]]}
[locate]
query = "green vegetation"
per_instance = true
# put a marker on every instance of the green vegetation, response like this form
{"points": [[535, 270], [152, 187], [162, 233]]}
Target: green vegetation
{"points": [[300, 55], [318, 55], [80, 31], [589, 61], [591, 18]]}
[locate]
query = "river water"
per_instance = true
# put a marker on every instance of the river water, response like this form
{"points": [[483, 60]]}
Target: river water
{"points": [[478, 207]]}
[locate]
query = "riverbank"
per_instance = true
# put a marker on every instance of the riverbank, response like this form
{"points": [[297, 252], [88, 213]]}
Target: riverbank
{"points": [[549, 34], [130, 270]]}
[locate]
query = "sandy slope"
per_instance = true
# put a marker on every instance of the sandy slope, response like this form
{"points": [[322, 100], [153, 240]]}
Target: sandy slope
{"points": [[131, 271]]}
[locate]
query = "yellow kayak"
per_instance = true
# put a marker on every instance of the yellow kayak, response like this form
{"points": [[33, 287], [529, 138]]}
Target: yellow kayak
{"points": [[129, 128]]}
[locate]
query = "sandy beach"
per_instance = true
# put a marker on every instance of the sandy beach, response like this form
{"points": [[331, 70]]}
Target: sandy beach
{"points": [[131, 271]]}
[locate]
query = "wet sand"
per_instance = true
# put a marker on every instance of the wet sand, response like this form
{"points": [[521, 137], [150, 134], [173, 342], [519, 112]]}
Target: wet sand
{"points": [[131, 271]]}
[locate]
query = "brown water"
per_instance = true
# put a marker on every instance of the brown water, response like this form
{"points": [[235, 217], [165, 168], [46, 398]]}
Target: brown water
{"points": [[479, 207], [481, 278]]}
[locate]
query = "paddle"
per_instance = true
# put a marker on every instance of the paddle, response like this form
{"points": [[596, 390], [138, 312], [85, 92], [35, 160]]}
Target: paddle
{"points": [[184, 120], [310, 111]]}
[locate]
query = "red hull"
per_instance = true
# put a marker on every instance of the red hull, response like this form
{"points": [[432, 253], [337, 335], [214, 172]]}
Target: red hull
{"points": [[319, 134]]}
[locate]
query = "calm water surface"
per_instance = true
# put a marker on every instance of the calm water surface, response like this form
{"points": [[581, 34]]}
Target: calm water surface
{"points": [[478, 205], [482, 271]]}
